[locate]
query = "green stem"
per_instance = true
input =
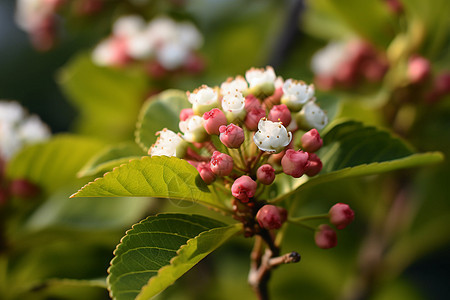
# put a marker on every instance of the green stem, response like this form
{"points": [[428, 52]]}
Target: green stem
{"points": [[307, 218], [303, 225]]}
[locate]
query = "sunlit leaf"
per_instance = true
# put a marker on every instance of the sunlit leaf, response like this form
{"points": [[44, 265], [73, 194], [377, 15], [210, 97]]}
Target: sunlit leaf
{"points": [[111, 157], [161, 177], [159, 250]]}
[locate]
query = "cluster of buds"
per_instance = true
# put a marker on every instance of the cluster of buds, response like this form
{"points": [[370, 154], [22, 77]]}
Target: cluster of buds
{"points": [[345, 64], [240, 136], [162, 44]]}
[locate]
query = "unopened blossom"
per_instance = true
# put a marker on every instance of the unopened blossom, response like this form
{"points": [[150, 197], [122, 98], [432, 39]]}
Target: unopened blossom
{"points": [[265, 174], [251, 102], [418, 69], [221, 164], [127, 26], [233, 104], [261, 81], [311, 141], [280, 113], [311, 116], [213, 120], [314, 165], [341, 215], [271, 136], [23, 188], [203, 99], [253, 116], [234, 84], [204, 169], [168, 143], [294, 163], [232, 136], [185, 113], [244, 188], [271, 216], [193, 130], [325, 237], [296, 94]]}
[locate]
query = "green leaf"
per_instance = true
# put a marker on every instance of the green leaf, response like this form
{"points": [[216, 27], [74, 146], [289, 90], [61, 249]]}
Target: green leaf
{"points": [[160, 176], [110, 157], [108, 99], [352, 149], [160, 111], [159, 250], [54, 163]]}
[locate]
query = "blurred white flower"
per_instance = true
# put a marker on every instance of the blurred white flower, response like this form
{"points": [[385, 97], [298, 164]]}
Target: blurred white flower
{"points": [[327, 60], [17, 129], [312, 116]]}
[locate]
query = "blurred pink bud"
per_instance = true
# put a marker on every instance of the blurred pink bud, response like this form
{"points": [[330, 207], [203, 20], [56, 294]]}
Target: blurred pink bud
{"points": [[311, 141], [325, 237], [243, 188], [23, 188], [395, 6], [374, 69], [324, 82], [271, 217], [232, 135], [314, 165], [341, 215], [418, 69], [3, 196], [251, 102], [155, 70], [294, 163], [441, 87], [252, 118], [221, 164], [265, 174], [280, 113], [205, 172], [43, 35], [213, 120], [194, 64], [185, 113]]}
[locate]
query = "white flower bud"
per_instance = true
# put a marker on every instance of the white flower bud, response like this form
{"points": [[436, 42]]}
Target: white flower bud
{"points": [[203, 99], [311, 116], [232, 85], [168, 143], [296, 94], [172, 55], [233, 104], [257, 77], [271, 136], [193, 129]]}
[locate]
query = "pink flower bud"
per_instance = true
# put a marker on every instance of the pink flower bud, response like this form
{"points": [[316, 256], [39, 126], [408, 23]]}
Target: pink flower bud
{"points": [[205, 172], [418, 69], [294, 163], [243, 188], [271, 217], [252, 118], [221, 164], [23, 188], [280, 113], [231, 136], [265, 174], [213, 120], [341, 215], [311, 141], [325, 237], [275, 98], [251, 102], [314, 165], [185, 113]]}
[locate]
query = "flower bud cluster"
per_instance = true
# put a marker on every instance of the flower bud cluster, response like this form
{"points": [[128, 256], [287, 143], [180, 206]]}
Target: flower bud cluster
{"points": [[162, 43], [239, 136], [345, 64]]}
